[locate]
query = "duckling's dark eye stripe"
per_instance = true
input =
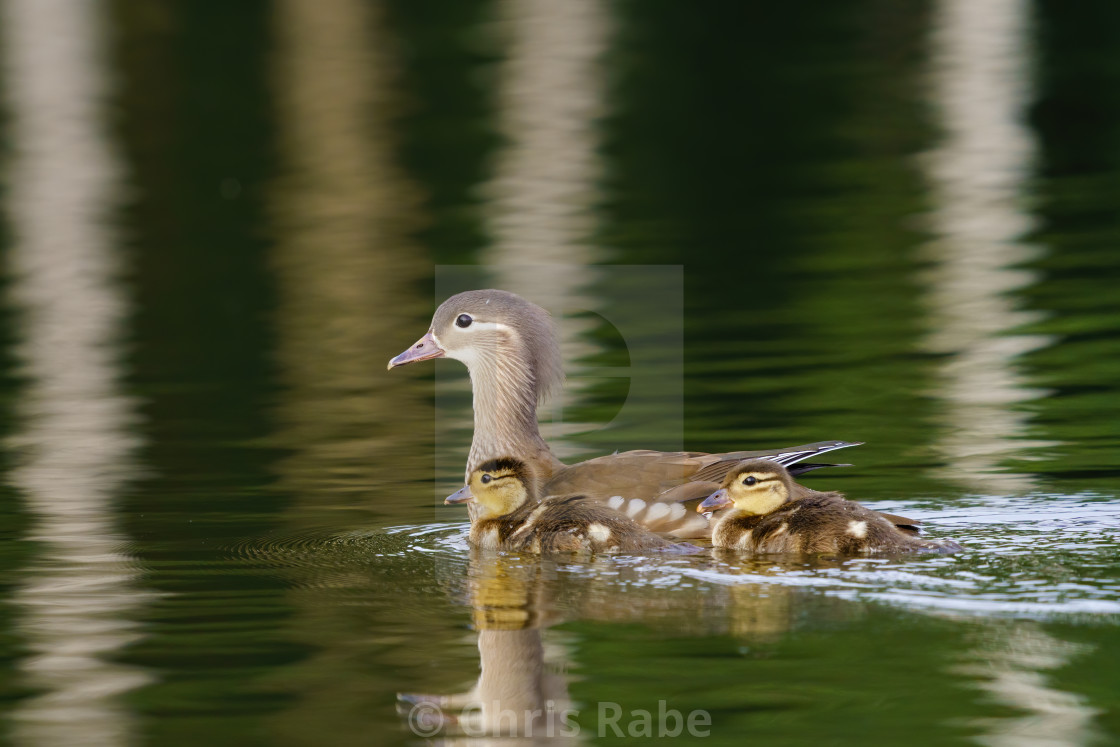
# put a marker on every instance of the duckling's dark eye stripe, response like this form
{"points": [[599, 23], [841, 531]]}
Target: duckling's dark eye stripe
{"points": [[757, 479]]}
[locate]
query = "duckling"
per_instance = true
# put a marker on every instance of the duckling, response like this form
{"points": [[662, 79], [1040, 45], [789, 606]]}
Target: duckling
{"points": [[511, 352], [771, 513], [507, 516]]}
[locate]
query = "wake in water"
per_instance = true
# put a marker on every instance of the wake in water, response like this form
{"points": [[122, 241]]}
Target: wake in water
{"points": [[1035, 557]]}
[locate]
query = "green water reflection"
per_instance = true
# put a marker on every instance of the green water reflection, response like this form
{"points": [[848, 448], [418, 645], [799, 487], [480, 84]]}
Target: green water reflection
{"points": [[893, 223]]}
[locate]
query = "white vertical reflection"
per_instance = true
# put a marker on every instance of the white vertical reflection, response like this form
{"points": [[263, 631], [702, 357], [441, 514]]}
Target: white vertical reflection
{"points": [[543, 193], [1011, 667], [343, 212], [74, 430], [346, 270], [981, 70], [980, 76]]}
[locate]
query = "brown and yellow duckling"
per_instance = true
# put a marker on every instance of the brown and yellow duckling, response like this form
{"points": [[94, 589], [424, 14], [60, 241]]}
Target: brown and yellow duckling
{"points": [[507, 516], [767, 515]]}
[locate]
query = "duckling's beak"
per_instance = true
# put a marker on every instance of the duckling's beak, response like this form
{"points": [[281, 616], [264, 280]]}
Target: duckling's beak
{"points": [[462, 495], [714, 502], [424, 349]]}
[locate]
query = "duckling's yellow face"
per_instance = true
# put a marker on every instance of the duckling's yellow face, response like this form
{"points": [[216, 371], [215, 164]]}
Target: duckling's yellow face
{"points": [[497, 488], [499, 492], [757, 487]]}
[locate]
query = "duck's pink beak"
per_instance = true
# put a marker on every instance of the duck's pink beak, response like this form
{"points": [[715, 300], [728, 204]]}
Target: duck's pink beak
{"points": [[462, 495], [424, 349], [714, 502]]}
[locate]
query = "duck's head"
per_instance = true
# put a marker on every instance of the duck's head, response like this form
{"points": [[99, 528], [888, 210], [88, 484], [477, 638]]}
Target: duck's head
{"points": [[756, 486], [492, 328], [498, 487]]}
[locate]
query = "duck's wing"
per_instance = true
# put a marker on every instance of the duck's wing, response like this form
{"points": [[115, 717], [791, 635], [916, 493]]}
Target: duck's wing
{"points": [[802, 467], [909, 526], [648, 474], [649, 487], [788, 458]]}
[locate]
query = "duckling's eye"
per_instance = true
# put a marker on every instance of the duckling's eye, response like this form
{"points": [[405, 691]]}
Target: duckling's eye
{"points": [[463, 321], [485, 479], [751, 480]]}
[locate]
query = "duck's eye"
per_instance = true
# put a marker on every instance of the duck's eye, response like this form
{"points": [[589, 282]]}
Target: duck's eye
{"points": [[485, 479], [751, 480], [463, 321]]}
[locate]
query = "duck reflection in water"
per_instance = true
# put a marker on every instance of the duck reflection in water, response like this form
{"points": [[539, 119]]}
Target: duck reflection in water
{"points": [[519, 692], [516, 694], [522, 690]]}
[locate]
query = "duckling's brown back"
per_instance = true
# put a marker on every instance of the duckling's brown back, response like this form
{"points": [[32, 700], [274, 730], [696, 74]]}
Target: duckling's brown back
{"points": [[829, 523], [575, 523]]}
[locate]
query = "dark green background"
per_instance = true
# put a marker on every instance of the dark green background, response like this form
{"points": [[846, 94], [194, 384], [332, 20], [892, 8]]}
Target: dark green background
{"points": [[285, 178]]}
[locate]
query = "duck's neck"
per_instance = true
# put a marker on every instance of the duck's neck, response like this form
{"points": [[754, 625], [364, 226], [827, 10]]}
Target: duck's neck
{"points": [[505, 415]]}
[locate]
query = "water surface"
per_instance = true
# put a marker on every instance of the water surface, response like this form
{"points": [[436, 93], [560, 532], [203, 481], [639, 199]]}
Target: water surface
{"points": [[888, 224]]}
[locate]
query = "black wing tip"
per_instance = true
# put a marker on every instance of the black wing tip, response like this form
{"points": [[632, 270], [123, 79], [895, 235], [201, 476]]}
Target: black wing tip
{"points": [[793, 456], [821, 447], [802, 467]]}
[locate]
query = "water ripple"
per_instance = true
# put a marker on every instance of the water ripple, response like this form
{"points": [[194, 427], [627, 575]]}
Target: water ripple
{"points": [[1033, 556], [1036, 556]]}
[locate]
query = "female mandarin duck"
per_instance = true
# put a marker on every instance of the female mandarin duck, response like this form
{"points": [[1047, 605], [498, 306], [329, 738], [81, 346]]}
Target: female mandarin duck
{"points": [[510, 349], [508, 516], [771, 513]]}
